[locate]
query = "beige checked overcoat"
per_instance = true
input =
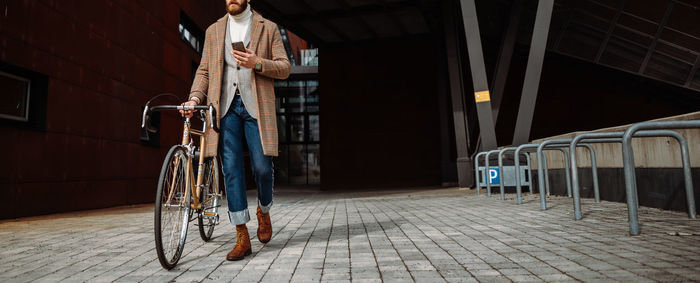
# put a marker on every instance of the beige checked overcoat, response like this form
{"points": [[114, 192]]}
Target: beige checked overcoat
{"points": [[266, 43]]}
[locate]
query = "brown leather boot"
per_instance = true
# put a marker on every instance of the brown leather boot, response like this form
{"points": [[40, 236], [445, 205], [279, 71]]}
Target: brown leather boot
{"points": [[242, 247], [264, 226]]}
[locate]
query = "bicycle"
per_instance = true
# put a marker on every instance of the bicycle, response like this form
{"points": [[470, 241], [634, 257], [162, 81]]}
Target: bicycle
{"points": [[179, 195]]}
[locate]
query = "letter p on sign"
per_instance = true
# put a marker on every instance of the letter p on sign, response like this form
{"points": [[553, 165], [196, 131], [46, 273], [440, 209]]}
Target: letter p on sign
{"points": [[493, 176]]}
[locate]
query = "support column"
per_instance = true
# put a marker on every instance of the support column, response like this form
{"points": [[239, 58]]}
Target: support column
{"points": [[505, 56], [448, 167], [478, 70], [465, 175], [533, 72]]}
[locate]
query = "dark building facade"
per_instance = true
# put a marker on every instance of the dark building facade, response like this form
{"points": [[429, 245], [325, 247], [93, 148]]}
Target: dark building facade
{"points": [[398, 77], [92, 65]]}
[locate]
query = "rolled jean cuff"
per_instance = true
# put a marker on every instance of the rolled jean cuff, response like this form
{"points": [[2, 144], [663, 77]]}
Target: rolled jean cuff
{"points": [[265, 208], [239, 217]]}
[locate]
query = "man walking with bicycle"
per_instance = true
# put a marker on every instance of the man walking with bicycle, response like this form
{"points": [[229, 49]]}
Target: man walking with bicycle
{"points": [[243, 53]]}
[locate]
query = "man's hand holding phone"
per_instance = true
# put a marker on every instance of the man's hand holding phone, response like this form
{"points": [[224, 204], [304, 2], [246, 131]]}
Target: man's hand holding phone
{"points": [[245, 57]]}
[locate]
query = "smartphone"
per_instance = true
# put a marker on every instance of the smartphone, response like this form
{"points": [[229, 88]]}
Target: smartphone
{"points": [[238, 46]]}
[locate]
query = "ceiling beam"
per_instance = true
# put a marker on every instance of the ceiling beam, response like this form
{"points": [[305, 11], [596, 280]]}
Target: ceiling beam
{"points": [[269, 11], [305, 6], [366, 10], [652, 47], [357, 18], [693, 69], [611, 28]]}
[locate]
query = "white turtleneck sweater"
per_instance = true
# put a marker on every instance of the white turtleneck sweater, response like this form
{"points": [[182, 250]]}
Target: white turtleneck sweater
{"points": [[239, 25]]}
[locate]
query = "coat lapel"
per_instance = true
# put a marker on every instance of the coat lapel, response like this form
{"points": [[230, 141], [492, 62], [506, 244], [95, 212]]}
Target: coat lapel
{"points": [[256, 31], [220, 33], [218, 59]]}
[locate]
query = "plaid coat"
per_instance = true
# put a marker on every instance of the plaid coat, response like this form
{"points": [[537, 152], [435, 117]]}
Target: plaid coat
{"points": [[266, 43]]}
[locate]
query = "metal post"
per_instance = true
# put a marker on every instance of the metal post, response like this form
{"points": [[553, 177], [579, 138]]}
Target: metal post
{"points": [[478, 72], [487, 175], [540, 179], [546, 173], [532, 74], [476, 172], [630, 185], [500, 170]]}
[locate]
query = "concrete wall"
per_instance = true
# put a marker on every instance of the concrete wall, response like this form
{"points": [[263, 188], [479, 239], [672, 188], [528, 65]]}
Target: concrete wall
{"points": [[104, 59], [648, 152]]}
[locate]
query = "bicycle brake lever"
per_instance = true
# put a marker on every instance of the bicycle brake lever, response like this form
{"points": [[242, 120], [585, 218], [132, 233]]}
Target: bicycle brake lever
{"points": [[143, 118], [212, 118]]}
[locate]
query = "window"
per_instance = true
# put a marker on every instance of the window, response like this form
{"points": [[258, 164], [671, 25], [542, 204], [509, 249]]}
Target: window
{"points": [[23, 95], [309, 57], [299, 133], [191, 33], [15, 102]]}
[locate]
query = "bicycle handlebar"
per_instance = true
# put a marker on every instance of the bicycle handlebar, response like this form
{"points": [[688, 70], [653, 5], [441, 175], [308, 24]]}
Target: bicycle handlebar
{"points": [[210, 108]]}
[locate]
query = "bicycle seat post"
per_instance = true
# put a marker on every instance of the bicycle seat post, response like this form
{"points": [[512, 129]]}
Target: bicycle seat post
{"points": [[186, 132]]}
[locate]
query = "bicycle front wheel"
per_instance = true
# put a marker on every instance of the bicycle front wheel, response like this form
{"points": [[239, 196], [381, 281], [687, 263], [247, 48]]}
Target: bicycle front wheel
{"points": [[209, 198], [172, 208]]}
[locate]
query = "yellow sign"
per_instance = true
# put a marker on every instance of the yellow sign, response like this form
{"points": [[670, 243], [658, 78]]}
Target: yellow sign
{"points": [[482, 96]]}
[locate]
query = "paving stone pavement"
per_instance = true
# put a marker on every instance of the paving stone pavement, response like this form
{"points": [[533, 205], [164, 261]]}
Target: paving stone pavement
{"points": [[412, 235]]}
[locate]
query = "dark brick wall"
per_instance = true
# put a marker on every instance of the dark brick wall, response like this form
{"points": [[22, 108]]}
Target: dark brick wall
{"points": [[104, 59]]}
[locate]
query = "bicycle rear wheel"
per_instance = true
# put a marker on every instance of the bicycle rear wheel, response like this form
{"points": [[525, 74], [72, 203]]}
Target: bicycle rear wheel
{"points": [[172, 208], [209, 197]]}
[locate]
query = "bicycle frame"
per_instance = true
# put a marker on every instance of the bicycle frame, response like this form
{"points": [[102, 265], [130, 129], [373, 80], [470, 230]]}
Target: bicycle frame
{"points": [[187, 132], [196, 189]]}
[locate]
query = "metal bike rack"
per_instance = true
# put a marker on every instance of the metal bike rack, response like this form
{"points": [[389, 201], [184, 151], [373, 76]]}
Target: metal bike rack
{"points": [[630, 178], [645, 129], [594, 166], [540, 166], [608, 137], [516, 172], [528, 147], [518, 186]]}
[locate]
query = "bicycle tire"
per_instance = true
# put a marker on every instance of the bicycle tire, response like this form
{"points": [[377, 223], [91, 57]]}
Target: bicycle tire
{"points": [[210, 188], [172, 208]]}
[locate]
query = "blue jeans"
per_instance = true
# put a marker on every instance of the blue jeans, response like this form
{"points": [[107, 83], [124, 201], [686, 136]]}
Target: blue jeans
{"points": [[236, 124]]}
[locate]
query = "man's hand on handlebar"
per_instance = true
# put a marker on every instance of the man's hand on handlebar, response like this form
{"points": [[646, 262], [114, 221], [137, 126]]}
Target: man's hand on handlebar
{"points": [[188, 113]]}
